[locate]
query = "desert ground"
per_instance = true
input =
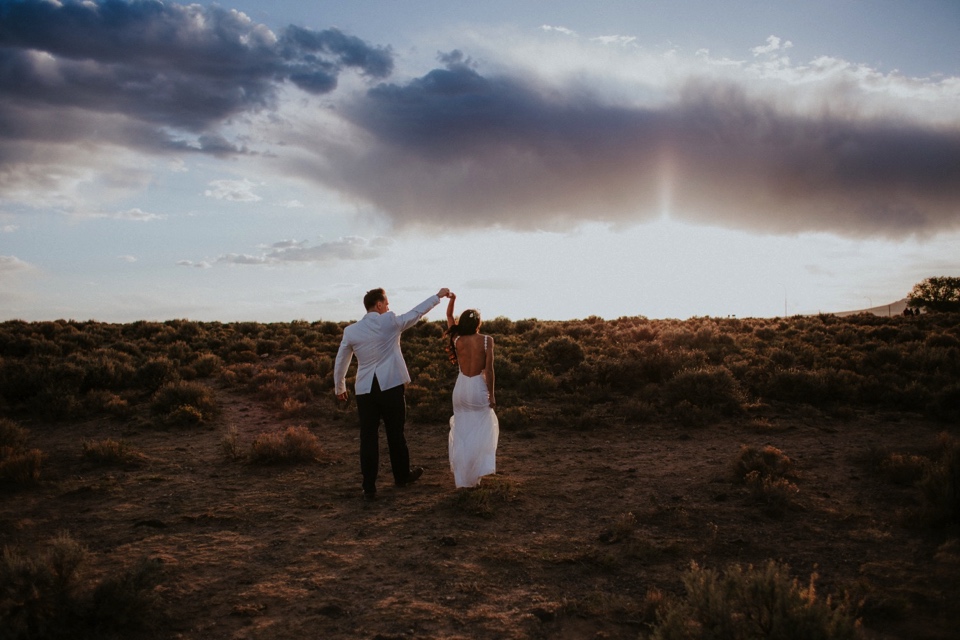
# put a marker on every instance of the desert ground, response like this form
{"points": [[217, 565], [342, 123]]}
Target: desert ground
{"points": [[580, 534]]}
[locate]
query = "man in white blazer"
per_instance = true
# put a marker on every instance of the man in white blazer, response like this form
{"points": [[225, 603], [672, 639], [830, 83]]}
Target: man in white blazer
{"points": [[381, 376]]}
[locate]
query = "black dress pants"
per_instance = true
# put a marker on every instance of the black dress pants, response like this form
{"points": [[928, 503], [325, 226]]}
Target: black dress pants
{"points": [[391, 407]]}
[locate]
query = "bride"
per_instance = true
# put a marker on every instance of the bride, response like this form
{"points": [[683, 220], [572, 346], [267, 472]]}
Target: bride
{"points": [[474, 429]]}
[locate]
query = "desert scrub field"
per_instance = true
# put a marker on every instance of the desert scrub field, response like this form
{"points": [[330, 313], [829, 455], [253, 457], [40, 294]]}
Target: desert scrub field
{"points": [[691, 371], [198, 480]]}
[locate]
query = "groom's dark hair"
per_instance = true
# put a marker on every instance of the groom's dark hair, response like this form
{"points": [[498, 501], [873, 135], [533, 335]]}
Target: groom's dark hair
{"points": [[372, 297]]}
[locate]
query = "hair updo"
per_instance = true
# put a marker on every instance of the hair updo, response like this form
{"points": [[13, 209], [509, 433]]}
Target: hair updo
{"points": [[468, 324]]}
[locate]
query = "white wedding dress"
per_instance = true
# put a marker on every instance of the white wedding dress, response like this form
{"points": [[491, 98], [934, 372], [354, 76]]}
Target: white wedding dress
{"points": [[474, 431]]}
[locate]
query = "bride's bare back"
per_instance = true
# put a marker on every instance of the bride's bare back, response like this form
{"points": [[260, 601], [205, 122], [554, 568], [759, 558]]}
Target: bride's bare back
{"points": [[475, 358], [471, 354]]}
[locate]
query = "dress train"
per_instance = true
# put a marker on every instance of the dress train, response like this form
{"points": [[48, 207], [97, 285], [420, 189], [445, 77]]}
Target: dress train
{"points": [[474, 431]]}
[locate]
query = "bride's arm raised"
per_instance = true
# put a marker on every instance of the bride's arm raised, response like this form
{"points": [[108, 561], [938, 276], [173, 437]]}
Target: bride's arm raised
{"points": [[450, 319]]}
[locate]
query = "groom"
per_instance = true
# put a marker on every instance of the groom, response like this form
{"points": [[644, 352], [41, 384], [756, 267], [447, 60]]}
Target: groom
{"points": [[381, 374]]}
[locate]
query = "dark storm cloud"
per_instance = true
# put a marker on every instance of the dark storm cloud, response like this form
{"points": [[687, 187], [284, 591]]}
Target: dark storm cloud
{"points": [[455, 148], [160, 65]]}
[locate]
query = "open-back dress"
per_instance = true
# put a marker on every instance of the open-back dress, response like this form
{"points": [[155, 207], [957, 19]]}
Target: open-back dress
{"points": [[474, 430]]}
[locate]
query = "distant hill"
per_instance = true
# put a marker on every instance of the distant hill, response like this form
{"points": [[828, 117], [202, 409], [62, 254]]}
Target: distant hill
{"points": [[891, 309]]}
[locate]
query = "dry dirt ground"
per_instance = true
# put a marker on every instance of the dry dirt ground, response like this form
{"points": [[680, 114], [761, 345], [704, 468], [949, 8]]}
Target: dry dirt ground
{"points": [[253, 552]]}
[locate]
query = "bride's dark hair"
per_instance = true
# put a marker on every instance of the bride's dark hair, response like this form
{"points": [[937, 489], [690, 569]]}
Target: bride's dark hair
{"points": [[468, 324]]}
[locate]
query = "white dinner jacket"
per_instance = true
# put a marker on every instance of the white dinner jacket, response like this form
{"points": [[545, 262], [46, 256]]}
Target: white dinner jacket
{"points": [[375, 339]]}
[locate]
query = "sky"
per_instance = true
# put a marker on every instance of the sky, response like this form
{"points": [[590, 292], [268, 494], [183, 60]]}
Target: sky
{"points": [[255, 160]]}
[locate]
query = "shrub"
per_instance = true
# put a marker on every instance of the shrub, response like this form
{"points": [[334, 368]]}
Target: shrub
{"points": [[155, 373], [12, 434], [516, 418], [207, 365], [295, 444], [20, 467], [713, 389], [39, 593], [905, 469], [109, 451], [128, 601], [48, 595], [184, 403], [775, 494], [484, 499], [753, 603], [941, 484], [230, 444], [538, 382], [621, 530], [562, 354], [947, 405], [768, 462], [103, 401]]}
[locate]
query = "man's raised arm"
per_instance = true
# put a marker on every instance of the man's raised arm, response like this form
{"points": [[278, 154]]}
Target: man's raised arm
{"points": [[411, 317]]}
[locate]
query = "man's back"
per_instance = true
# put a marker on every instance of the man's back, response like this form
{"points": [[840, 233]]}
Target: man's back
{"points": [[375, 340]]}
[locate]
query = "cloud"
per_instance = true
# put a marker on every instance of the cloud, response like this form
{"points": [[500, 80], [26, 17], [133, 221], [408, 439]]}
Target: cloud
{"points": [[127, 258], [151, 76], [553, 132], [345, 249], [773, 44], [564, 30], [617, 40], [135, 215], [458, 148], [233, 191], [203, 264], [10, 264]]}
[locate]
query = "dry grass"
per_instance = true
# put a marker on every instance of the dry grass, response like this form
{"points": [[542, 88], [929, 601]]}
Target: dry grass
{"points": [[291, 445], [751, 604], [109, 451]]}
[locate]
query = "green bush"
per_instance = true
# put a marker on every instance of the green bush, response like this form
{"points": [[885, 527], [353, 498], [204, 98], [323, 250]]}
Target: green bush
{"points": [[753, 604]]}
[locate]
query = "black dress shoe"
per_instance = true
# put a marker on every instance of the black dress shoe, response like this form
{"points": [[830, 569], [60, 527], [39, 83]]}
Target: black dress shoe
{"points": [[412, 477], [369, 496]]}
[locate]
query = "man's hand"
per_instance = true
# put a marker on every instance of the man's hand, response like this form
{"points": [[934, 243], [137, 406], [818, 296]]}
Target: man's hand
{"points": [[342, 397], [443, 293]]}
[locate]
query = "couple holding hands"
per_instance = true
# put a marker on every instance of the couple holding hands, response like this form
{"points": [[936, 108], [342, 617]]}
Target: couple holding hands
{"points": [[382, 374]]}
